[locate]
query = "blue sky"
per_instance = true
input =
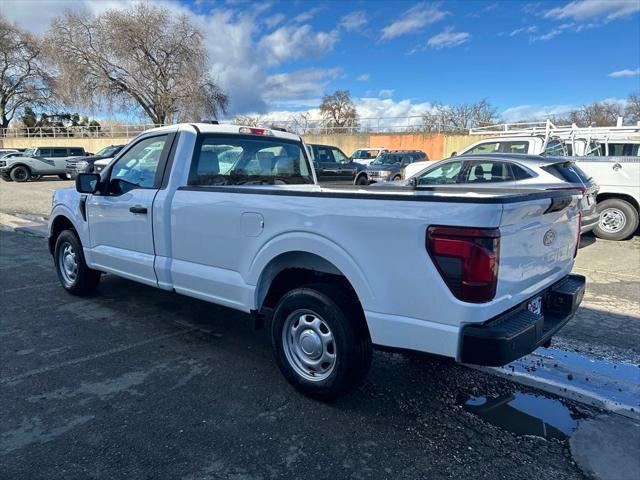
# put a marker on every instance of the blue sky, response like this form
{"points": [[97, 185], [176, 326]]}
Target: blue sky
{"points": [[396, 58]]}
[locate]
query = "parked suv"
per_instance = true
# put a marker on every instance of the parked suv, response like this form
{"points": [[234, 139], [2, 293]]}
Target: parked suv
{"points": [[390, 166], [36, 162], [333, 166], [85, 164]]}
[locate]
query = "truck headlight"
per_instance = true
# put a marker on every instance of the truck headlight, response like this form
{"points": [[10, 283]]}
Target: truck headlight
{"points": [[82, 165]]}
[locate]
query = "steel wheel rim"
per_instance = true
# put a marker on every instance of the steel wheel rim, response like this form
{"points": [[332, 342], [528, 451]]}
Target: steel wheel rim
{"points": [[309, 345], [68, 264], [612, 220]]}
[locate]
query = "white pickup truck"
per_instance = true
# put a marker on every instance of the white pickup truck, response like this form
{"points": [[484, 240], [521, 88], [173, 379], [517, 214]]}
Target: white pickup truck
{"points": [[233, 215]]}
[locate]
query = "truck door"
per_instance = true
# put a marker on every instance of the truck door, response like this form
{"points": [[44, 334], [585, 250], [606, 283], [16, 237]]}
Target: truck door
{"points": [[329, 168], [120, 220]]}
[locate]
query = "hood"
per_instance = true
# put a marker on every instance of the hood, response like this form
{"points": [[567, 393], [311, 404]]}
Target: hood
{"points": [[89, 159]]}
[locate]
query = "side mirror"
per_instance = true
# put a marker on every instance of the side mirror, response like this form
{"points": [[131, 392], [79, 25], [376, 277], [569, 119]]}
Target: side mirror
{"points": [[453, 154], [87, 182]]}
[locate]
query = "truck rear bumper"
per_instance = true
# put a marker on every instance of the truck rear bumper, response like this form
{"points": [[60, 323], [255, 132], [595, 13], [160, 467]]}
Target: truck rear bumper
{"points": [[520, 331]]}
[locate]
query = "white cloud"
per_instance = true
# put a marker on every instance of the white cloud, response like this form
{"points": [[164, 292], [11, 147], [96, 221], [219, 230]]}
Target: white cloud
{"points": [[363, 78], [354, 20], [414, 19], [625, 73], [293, 42], [302, 87], [542, 112], [517, 31], [386, 93], [306, 16], [607, 10], [448, 38], [241, 55], [274, 20]]}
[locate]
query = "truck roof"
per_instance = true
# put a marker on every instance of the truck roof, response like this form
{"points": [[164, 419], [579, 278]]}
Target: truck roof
{"points": [[224, 128]]}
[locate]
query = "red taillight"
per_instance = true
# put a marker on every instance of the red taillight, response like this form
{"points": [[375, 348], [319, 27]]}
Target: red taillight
{"points": [[255, 131], [467, 259], [575, 253]]}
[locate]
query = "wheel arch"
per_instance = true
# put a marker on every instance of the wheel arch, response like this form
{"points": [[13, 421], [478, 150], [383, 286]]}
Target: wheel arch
{"points": [[303, 256], [58, 224], [619, 196]]}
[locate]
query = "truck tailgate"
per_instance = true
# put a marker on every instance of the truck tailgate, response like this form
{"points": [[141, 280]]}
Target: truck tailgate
{"points": [[538, 241]]}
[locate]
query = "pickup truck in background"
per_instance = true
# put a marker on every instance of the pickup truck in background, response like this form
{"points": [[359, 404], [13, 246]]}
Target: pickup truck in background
{"points": [[480, 276]]}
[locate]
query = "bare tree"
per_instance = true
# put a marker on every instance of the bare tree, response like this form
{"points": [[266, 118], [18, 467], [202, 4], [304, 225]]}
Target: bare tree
{"points": [[141, 57], [339, 112], [632, 110], [300, 122], [460, 117], [23, 79], [598, 114], [248, 120]]}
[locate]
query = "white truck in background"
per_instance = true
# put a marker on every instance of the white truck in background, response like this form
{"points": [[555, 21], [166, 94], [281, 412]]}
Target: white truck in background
{"points": [[234, 216]]}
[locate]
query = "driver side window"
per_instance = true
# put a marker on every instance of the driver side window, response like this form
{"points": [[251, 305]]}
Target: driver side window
{"points": [[137, 168], [443, 175]]}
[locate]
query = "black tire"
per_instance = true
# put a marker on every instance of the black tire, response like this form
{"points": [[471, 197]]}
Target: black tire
{"points": [[351, 343], [6, 177], [64, 176], [85, 281], [20, 173], [618, 220], [362, 180], [397, 178]]}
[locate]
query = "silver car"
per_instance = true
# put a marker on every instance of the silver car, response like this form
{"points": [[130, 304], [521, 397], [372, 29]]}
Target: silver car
{"points": [[512, 171], [36, 162]]}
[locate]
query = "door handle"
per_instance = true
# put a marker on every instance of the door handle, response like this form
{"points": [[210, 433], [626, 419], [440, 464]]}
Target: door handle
{"points": [[138, 209]]}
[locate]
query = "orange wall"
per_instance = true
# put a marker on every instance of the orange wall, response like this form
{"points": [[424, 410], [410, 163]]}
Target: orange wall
{"points": [[432, 144]]}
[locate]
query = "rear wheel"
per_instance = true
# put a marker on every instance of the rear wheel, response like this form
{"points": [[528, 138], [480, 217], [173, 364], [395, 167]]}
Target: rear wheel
{"points": [[320, 341], [618, 219], [64, 176], [362, 180], [20, 173], [72, 270], [397, 178]]}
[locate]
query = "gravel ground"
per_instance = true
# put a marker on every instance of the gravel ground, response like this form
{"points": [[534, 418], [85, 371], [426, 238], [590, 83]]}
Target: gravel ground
{"points": [[139, 383]]}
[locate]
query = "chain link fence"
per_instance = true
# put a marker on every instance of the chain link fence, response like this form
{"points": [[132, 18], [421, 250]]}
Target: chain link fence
{"points": [[411, 124]]}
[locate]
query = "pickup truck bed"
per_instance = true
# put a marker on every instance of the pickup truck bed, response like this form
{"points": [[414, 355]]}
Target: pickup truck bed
{"points": [[333, 269]]}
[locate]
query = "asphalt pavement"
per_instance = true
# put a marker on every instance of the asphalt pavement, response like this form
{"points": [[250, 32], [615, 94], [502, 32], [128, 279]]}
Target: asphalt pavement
{"points": [[135, 382]]}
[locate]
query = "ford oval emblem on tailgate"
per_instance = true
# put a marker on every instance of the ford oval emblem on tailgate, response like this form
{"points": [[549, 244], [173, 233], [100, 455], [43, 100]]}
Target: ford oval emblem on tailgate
{"points": [[549, 237]]}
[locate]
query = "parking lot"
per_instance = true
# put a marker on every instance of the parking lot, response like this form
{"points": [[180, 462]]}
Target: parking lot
{"points": [[138, 383]]}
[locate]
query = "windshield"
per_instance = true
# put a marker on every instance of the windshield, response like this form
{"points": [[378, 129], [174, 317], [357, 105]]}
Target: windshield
{"points": [[568, 172], [109, 151], [385, 159], [365, 154]]}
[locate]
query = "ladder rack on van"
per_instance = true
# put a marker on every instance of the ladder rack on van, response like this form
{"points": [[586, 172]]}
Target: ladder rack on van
{"points": [[565, 132]]}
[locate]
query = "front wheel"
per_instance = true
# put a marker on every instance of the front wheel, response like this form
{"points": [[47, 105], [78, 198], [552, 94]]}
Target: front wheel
{"points": [[618, 219], [362, 180], [397, 178], [320, 341], [72, 270], [20, 174]]}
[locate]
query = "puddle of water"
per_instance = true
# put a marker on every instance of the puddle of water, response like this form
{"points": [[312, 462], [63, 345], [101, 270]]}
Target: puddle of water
{"points": [[525, 414]]}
